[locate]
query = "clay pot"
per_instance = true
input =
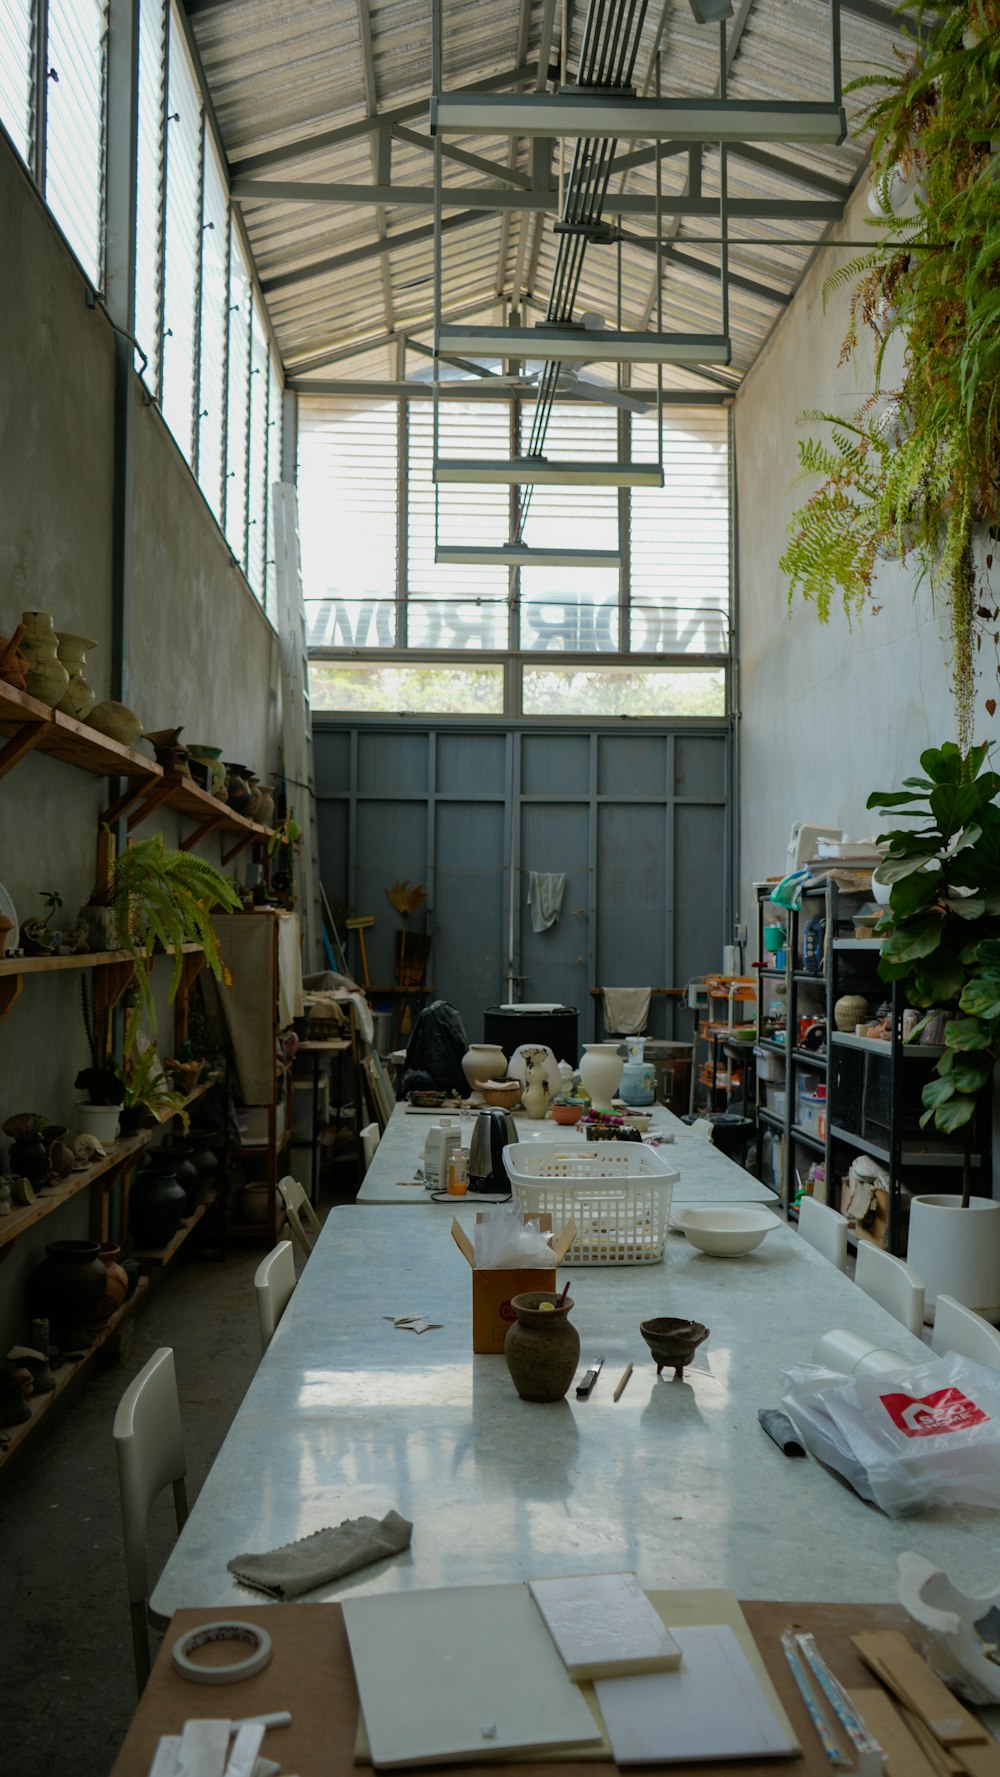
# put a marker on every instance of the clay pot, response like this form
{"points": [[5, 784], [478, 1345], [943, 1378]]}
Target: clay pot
{"points": [[542, 1348], [66, 1289], [116, 1286], [80, 696], [157, 1203], [46, 677]]}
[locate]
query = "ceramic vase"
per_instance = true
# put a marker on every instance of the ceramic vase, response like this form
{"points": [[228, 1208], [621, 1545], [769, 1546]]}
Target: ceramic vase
{"points": [[116, 1283], [156, 1204], [484, 1061], [79, 697], [542, 1348], [956, 1251], [601, 1069], [66, 1289], [46, 677]]}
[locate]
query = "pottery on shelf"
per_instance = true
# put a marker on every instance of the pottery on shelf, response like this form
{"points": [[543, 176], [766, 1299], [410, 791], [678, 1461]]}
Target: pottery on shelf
{"points": [[211, 759], [116, 721], [484, 1061], [542, 1348], [601, 1069], [79, 697], [66, 1289], [46, 677]]}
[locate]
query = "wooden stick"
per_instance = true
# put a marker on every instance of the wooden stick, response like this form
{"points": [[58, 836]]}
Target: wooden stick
{"points": [[623, 1384]]}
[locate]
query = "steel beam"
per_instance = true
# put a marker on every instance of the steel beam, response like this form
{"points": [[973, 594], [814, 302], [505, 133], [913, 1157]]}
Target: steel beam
{"points": [[572, 113]]}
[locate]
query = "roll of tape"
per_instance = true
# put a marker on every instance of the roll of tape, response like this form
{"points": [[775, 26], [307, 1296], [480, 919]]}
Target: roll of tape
{"points": [[256, 1639]]}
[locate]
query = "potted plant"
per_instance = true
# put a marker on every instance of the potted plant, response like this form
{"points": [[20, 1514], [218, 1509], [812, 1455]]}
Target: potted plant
{"points": [[941, 943]]}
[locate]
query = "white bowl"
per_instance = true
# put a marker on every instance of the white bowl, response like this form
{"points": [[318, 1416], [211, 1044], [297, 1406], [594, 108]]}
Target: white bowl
{"points": [[726, 1230]]}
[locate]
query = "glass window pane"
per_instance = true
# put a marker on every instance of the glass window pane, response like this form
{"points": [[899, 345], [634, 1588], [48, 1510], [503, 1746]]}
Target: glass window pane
{"points": [[622, 691], [149, 188], [74, 140], [256, 526], [680, 536], [239, 370], [566, 608], [452, 606], [183, 240], [348, 492], [16, 62], [407, 690], [214, 303]]}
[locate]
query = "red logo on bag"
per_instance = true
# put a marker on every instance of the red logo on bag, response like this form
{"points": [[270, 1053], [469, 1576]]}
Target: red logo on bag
{"points": [[946, 1410]]}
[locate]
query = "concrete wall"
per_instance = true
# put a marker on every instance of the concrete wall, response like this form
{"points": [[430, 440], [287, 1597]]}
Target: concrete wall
{"points": [[828, 713], [201, 653]]}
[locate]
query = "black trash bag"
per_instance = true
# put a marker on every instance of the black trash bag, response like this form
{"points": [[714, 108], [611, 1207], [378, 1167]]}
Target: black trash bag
{"points": [[434, 1052]]}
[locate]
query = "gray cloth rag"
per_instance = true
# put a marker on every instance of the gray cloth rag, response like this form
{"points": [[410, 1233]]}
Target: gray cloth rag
{"points": [[545, 897], [626, 1009], [326, 1555]]}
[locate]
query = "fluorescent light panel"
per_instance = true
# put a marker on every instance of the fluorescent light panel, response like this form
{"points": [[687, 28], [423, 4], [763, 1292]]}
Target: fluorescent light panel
{"points": [[595, 345], [539, 472], [677, 120], [518, 555]]}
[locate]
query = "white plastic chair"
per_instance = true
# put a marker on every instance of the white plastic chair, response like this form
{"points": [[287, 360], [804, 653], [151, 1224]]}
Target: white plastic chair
{"points": [[964, 1331], [825, 1229], [371, 1135], [150, 1451], [299, 1213], [274, 1281], [893, 1284]]}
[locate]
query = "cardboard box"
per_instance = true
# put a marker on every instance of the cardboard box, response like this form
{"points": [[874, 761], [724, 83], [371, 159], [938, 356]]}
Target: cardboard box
{"points": [[492, 1314]]}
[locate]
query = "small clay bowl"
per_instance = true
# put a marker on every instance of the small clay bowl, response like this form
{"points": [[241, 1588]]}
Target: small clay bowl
{"points": [[673, 1342], [506, 1093]]}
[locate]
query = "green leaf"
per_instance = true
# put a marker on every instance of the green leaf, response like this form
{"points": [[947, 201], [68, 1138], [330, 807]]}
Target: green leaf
{"points": [[965, 1033], [919, 939]]}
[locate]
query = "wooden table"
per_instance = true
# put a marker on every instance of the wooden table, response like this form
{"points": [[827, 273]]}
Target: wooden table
{"points": [[311, 1675]]}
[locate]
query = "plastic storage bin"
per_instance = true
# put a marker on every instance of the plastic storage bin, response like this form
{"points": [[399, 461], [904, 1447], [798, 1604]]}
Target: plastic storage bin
{"points": [[617, 1194]]}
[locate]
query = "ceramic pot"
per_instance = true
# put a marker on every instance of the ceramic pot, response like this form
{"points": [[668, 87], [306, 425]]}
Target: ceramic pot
{"points": [[849, 1010], [542, 1348], [79, 697], [601, 1069], [484, 1061], [116, 721], [46, 677], [116, 1283], [157, 1203], [211, 758], [100, 1120], [956, 1251], [66, 1289]]}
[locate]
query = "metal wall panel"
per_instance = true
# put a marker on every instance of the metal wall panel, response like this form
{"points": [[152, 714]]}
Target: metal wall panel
{"points": [[638, 821]]}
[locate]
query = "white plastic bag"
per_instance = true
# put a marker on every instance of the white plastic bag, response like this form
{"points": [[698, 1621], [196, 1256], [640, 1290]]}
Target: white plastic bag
{"points": [[928, 1436]]}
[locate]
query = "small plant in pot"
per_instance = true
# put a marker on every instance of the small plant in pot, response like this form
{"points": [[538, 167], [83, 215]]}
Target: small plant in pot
{"points": [[942, 945]]}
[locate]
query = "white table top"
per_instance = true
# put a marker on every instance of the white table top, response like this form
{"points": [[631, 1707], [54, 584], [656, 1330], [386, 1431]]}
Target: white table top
{"points": [[346, 1415], [706, 1175]]}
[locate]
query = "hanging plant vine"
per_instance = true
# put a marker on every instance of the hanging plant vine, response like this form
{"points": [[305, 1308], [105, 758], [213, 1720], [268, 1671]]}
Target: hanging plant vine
{"points": [[916, 472]]}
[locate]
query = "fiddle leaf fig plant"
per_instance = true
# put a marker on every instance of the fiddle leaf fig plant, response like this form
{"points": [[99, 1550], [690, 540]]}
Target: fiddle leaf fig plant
{"points": [[942, 927]]}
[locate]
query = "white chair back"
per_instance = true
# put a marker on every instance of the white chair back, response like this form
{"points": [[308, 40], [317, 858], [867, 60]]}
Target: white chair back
{"points": [[150, 1449], [963, 1330], [893, 1284], [274, 1281], [825, 1230], [299, 1214], [371, 1135]]}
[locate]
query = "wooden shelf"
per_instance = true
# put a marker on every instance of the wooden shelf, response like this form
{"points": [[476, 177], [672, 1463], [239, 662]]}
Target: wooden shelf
{"points": [[15, 1435]]}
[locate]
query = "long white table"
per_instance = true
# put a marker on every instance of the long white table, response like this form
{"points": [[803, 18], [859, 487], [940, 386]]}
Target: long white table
{"points": [[706, 1175], [347, 1415]]}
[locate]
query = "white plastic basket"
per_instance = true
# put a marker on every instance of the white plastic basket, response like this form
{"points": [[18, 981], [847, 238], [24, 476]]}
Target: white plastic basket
{"points": [[618, 1194]]}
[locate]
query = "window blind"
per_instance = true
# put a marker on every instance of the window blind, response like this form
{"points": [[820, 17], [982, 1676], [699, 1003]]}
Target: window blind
{"points": [[452, 606], [567, 608], [679, 537], [214, 303], [75, 127], [348, 503], [182, 240], [16, 69], [150, 173]]}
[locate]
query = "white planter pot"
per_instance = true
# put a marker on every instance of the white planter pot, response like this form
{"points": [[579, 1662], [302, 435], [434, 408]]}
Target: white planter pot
{"points": [[98, 1119], [601, 1069], [957, 1251]]}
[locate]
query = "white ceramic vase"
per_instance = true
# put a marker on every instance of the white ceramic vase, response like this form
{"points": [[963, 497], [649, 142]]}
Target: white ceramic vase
{"points": [[957, 1251], [601, 1069], [484, 1061]]}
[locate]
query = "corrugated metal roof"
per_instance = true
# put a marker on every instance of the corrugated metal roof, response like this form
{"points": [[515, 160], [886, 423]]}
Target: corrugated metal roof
{"points": [[292, 83]]}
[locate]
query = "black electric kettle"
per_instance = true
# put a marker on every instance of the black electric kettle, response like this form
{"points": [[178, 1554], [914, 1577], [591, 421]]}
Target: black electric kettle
{"points": [[493, 1129]]}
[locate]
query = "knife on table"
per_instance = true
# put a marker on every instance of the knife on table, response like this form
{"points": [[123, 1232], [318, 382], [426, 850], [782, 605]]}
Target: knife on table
{"points": [[583, 1388]]}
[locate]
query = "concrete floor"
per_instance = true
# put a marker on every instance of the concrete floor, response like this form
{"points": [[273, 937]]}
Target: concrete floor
{"points": [[67, 1679]]}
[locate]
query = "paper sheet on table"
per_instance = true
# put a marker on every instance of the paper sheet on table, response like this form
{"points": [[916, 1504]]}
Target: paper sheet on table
{"points": [[692, 1606]]}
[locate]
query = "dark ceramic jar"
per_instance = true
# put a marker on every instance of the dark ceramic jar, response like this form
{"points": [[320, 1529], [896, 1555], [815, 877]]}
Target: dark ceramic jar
{"points": [[156, 1204], [67, 1289], [542, 1348]]}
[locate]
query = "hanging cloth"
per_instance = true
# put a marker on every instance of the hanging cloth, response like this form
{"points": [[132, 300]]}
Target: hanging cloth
{"points": [[545, 897]]}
